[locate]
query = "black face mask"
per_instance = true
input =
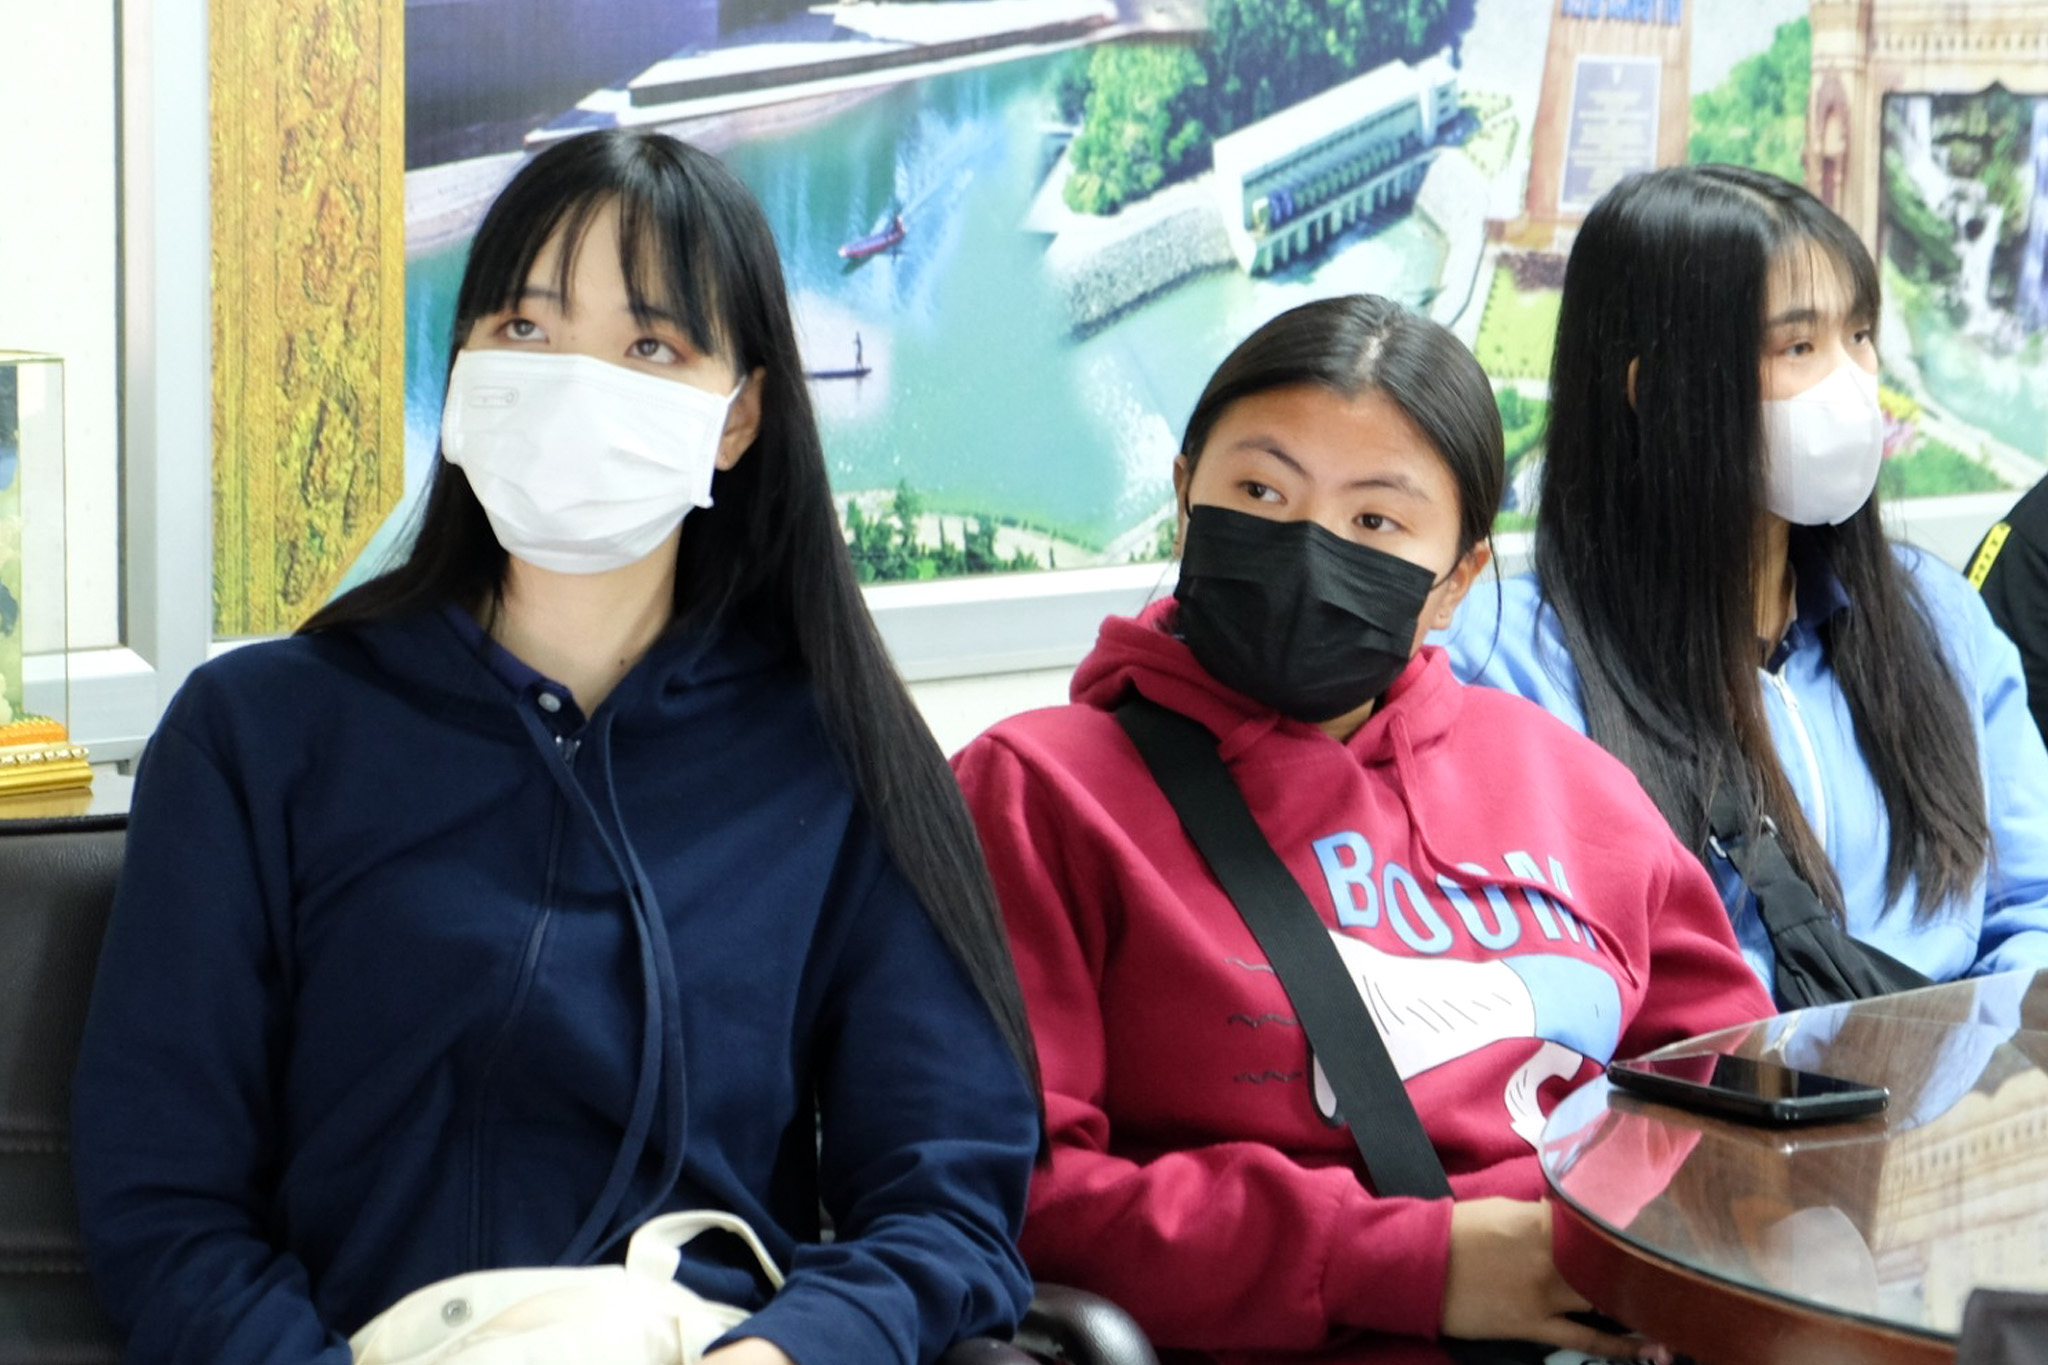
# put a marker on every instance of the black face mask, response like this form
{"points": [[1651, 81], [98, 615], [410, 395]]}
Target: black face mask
{"points": [[1307, 622]]}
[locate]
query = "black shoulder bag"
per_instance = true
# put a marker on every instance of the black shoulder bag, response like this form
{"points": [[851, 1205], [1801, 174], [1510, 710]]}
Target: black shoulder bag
{"points": [[1395, 1150], [1819, 963]]}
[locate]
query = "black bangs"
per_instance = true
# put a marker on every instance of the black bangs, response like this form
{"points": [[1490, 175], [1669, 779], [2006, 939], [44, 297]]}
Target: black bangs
{"points": [[677, 248], [1792, 218], [1844, 250], [1804, 253], [1362, 343], [671, 247]]}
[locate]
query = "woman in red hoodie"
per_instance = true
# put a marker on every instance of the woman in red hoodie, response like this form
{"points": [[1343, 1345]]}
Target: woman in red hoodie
{"points": [[1512, 908]]}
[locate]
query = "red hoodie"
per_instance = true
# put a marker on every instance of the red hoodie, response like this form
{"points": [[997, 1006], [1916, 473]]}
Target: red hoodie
{"points": [[1503, 891]]}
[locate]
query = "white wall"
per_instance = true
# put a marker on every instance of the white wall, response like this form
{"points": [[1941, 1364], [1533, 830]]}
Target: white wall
{"points": [[58, 253], [958, 709]]}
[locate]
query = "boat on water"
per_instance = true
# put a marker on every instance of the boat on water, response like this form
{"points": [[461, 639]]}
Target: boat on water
{"points": [[860, 248], [824, 50], [859, 369]]}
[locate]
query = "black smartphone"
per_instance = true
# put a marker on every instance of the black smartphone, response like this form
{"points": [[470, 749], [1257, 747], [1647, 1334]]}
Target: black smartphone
{"points": [[1749, 1090]]}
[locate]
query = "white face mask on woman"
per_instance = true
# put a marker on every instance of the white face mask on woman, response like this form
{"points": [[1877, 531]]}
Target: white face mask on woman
{"points": [[581, 465], [1823, 448]]}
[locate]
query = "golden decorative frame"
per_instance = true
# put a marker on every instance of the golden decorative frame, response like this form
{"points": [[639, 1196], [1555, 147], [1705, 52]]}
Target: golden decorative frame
{"points": [[308, 110]]}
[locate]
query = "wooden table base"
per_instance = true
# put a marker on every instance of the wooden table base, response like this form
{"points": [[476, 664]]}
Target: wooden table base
{"points": [[1718, 1323]]}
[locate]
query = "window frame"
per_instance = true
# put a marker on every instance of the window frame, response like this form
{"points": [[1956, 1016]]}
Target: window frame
{"points": [[116, 694]]}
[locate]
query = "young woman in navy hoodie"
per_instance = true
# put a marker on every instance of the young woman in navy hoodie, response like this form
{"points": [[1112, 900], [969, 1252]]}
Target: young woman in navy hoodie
{"points": [[1514, 910], [590, 864]]}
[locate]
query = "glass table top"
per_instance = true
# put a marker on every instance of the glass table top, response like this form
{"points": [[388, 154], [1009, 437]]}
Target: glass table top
{"points": [[1894, 1218]]}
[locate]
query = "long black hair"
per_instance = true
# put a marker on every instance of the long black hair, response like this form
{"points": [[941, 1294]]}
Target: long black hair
{"points": [[1362, 343], [1647, 522], [694, 245]]}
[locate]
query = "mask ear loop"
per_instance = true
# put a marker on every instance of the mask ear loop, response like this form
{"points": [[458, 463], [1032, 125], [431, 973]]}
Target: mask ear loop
{"points": [[718, 468]]}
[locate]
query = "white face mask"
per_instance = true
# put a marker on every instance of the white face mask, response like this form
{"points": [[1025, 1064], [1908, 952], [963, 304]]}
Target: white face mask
{"points": [[1823, 449], [581, 466]]}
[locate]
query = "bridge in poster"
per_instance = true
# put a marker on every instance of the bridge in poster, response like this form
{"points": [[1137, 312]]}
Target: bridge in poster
{"points": [[1289, 183]]}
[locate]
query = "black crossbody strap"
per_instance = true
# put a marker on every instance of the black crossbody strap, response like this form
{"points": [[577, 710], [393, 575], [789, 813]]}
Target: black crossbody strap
{"points": [[1818, 961], [1784, 901], [1184, 762]]}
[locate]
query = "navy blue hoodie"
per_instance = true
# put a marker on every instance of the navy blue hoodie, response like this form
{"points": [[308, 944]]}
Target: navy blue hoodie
{"points": [[414, 971]]}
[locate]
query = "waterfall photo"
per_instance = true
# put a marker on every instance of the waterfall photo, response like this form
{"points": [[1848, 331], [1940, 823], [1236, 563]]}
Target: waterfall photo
{"points": [[1963, 239]]}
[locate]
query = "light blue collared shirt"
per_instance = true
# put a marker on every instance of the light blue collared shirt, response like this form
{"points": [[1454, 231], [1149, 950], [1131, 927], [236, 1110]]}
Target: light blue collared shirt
{"points": [[1509, 638]]}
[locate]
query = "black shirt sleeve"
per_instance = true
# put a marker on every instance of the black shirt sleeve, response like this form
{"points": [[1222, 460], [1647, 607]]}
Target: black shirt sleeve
{"points": [[2010, 569]]}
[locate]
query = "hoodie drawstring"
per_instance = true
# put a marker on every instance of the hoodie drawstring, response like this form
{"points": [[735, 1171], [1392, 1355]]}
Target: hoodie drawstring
{"points": [[1406, 787], [661, 1054], [670, 994]]}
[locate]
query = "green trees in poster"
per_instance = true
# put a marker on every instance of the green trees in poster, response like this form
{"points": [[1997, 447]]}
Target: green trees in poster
{"points": [[1522, 421], [1934, 469], [1518, 326], [1141, 125], [1922, 243], [1757, 117], [1982, 144], [1151, 114], [1264, 55], [891, 546], [1989, 139]]}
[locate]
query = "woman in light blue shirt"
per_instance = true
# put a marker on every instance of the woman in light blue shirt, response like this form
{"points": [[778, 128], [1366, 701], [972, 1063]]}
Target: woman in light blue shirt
{"points": [[1714, 599]]}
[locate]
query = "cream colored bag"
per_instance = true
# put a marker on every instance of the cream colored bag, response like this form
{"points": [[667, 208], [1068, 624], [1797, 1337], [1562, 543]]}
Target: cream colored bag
{"points": [[631, 1314]]}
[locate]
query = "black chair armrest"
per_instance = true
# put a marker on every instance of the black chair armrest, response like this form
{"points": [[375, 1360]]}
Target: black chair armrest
{"points": [[985, 1351], [1080, 1328], [2003, 1327], [57, 880]]}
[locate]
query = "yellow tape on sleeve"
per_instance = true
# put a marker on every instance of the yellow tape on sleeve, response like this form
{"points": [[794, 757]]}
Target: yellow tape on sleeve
{"points": [[1987, 554]]}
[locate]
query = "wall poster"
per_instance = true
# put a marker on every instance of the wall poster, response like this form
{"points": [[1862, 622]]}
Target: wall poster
{"points": [[1020, 233]]}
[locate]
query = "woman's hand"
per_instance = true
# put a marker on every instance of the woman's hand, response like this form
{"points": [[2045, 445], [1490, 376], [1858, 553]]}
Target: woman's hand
{"points": [[1502, 1283], [749, 1351]]}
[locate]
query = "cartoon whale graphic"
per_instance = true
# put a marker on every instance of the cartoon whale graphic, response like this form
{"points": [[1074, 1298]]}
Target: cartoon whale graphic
{"points": [[1431, 1011]]}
